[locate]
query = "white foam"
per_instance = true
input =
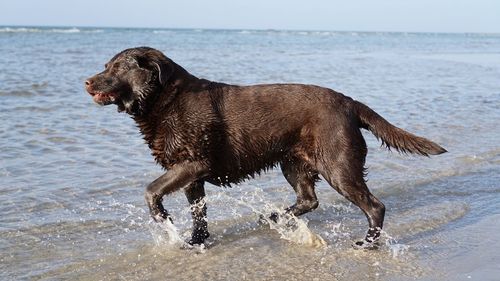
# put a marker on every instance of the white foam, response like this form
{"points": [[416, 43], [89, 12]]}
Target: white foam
{"points": [[289, 227], [162, 31], [396, 249], [295, 230], [166, 234], [64, 30], [19, 29], [45, 30]]}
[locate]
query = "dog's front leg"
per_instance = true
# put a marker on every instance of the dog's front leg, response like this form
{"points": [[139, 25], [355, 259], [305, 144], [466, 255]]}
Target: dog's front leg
{"points": [[174, 179], [195, 194]]}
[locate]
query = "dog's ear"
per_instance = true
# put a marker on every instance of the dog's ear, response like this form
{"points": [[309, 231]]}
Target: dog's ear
{"points": [[165, 70], [159, 64]]}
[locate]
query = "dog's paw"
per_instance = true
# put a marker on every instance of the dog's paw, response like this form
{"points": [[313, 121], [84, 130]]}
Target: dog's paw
{"points": [[366, 245], [198, 238], [162, 217], [197, 248], [283, 219], [273, 217]]}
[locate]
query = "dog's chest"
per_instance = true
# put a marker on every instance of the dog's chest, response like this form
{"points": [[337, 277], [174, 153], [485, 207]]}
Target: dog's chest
{"points": [[172, 141]]}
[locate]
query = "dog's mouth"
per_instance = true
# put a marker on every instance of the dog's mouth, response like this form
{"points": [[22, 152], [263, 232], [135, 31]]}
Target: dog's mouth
{"points": [[102, 98]]}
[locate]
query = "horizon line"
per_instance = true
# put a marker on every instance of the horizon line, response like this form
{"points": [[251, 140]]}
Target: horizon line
{"points": [[249, 29]]}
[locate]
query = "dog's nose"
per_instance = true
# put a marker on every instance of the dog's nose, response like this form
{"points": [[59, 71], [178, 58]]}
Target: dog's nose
{"points": [[88, 86]]}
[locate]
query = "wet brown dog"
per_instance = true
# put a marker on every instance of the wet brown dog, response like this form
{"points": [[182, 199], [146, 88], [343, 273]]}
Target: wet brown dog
{"points": [[202, 131]]}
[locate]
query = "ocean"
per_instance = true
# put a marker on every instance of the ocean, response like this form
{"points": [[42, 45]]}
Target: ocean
{"points": [[73, 174]]}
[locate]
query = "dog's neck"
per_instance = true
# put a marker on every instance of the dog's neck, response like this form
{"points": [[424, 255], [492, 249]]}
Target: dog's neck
{"points": [[154, 117], [180, 81]]}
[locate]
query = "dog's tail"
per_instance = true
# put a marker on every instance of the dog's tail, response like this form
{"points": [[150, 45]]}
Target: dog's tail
{"points": [[393, 136]]}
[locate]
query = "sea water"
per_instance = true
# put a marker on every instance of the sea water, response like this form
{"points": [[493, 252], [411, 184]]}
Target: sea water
{"points": [[72, 174]]}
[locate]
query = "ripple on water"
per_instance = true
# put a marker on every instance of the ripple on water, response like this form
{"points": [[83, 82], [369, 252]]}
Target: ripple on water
{"points": [[33, 108], [62, 140], [425, 218], [17, 93]]}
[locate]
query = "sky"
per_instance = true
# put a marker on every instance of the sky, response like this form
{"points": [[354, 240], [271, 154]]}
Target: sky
{"points": [[342, 15]]}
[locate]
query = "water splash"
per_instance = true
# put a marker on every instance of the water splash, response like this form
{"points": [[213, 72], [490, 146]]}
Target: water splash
{"points": [[395, 248], [166, 234], [295, 230], [290, 227]]}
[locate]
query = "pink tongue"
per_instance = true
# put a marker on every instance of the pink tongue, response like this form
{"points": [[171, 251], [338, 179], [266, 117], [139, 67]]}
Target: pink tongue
{"points": [[104, 97]]}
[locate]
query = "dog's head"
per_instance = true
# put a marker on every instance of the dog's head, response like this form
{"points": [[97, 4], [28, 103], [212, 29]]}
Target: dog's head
{"points": [[130, 78]]}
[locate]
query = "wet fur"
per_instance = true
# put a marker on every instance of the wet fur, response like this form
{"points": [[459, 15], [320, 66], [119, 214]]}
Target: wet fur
{"points": [[203, 131]]}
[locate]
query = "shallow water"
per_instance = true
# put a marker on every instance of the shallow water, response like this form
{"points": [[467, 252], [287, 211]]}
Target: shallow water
{"points": [[72, 174]]}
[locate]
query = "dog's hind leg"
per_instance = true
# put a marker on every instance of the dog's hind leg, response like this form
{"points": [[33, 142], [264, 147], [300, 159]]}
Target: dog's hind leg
{"points": [[347, 178], [195, 194], [302, 179], [357, 192]]}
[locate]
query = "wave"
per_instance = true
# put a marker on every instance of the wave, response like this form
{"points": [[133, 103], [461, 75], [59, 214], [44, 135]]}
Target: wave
{"points": [[69, 30], [47, 30], [163, 31], [20, 29], [289, 32]]}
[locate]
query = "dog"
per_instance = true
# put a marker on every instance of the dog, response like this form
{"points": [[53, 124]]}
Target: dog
{"points": [[203, 131]]}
